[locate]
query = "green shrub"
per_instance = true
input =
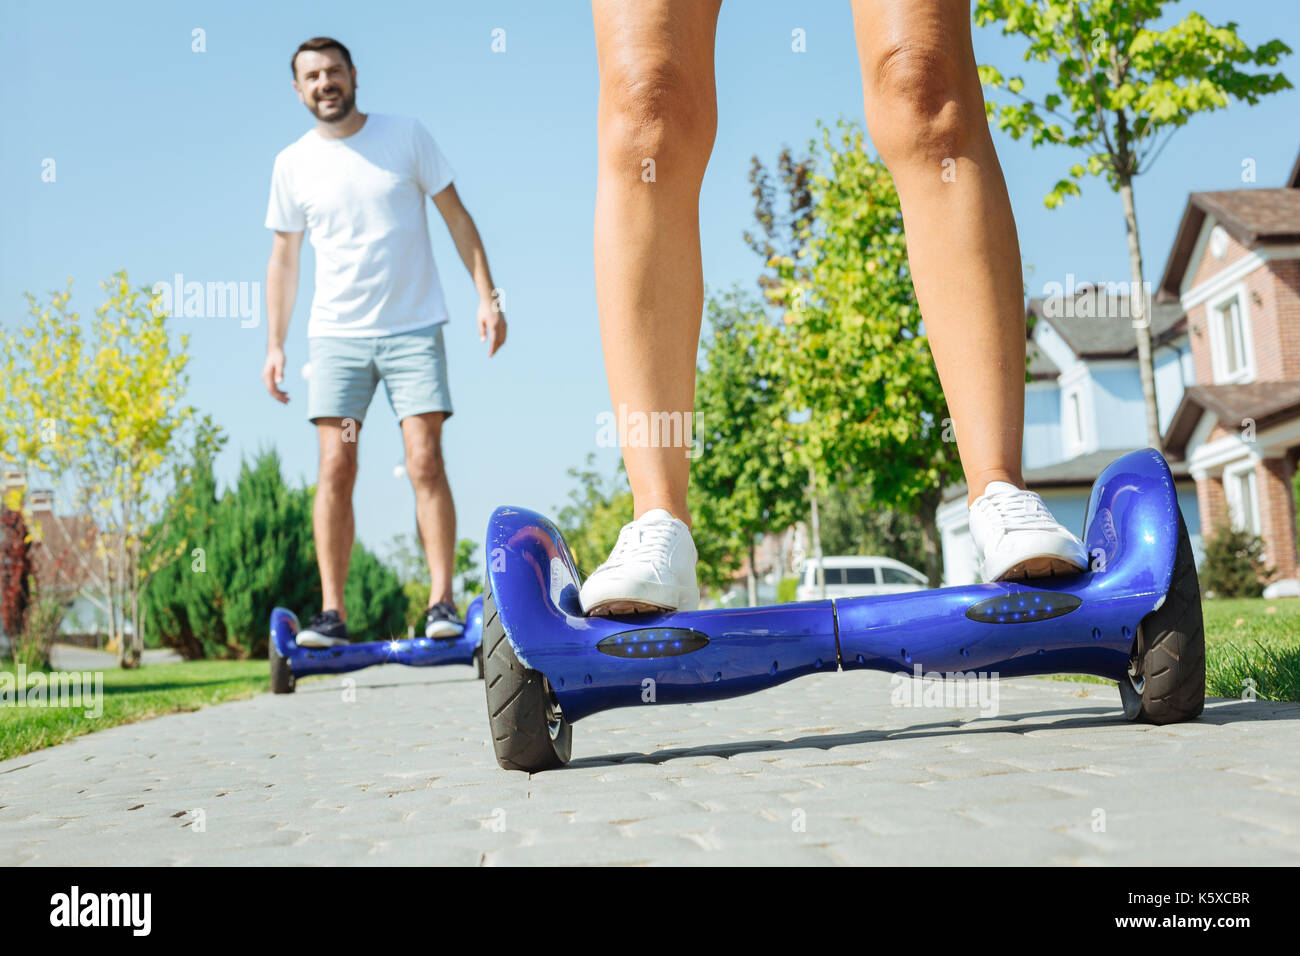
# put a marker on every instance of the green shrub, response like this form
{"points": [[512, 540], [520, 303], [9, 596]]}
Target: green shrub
{"points": [[1234, 564], [406, 557], [265, 553], [41, 625], [180, 606], [786, 589], [376, 604], [228, 562]]}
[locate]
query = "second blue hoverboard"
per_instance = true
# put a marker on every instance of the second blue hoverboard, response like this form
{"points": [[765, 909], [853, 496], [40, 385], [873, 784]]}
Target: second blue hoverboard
{"points": [[289, 661]]}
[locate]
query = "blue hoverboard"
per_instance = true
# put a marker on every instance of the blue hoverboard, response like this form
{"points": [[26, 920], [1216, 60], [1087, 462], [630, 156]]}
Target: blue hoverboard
{"points": [[1135, 618], [289, 661]]}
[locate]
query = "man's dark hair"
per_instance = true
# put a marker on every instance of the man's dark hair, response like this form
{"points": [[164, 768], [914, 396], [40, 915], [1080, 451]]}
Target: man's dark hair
{"points": [[318, 43]]}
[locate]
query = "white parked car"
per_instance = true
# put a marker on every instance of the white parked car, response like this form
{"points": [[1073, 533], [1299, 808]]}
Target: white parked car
{"points": [[856, 576]]}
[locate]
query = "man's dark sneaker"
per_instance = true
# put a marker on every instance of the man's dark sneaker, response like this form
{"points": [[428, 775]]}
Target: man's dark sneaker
{"points": [[325, 630], [441, 620]]}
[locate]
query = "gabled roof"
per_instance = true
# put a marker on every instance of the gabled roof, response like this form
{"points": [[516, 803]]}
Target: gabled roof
{"points": [[1041, 368], [1105, 332], [1081, 471], [1254, 217], [63, 557], [1262, 402]]}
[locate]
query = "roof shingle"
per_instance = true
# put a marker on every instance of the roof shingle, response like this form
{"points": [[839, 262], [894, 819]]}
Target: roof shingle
{"points": [[1261, 402], [1098, 324]]}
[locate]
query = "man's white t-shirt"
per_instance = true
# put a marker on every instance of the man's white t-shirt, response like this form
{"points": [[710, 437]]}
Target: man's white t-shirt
{"points": [[361, 198]]}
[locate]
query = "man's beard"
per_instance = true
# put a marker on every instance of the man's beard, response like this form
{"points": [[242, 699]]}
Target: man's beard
{"points": [[347, 102]]}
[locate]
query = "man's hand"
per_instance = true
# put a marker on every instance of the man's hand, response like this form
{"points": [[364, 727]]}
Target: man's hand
{"points": [[491, 325], [281, 289], [273, 375], [491, 321]]}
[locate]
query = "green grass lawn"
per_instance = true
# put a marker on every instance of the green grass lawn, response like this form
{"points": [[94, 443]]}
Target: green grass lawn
{"points": [[129, 696], [1248, 639]]}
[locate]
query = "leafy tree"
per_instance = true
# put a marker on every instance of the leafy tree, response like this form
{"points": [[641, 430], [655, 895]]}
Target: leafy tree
{"points": [[719, 556], [739, 402], [98, 407], [596, 511], [417, 601], [784, 228], [598, 508], [183, 603], [852, 351], [375, 601], [852, 524], [782, 225], [229, 560], [1122, 90], [406, 557], [787, 590], [467, 571], [266, 554]]}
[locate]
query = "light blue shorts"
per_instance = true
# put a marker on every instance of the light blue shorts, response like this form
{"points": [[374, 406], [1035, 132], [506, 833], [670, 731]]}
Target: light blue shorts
{"points": [[345, 371]]}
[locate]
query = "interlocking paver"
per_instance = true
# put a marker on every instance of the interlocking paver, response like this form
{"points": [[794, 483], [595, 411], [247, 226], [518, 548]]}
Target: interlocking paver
{"points": [[818, 771]]}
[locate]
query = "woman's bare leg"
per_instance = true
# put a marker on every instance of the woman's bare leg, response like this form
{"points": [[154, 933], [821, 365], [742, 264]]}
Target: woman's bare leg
{"points": [[925, 112], [655, 128]]}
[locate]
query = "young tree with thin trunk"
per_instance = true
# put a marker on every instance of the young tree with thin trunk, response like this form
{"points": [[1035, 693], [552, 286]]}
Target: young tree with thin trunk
{"points": [[784, 213], [1123, 88], [851, 350], [96, 407], [739, 401]]}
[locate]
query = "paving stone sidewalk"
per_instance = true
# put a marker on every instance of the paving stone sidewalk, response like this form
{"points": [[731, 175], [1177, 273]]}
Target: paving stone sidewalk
{"points": [[823, 770]]}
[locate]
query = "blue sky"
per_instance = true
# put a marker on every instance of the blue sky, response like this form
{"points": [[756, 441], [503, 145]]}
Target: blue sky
{"points": [[163, 160]]}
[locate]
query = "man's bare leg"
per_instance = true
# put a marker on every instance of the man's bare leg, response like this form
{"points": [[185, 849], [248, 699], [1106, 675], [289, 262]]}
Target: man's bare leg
{"points": [[435, 513], [655, 128], [925, 112], [332, 517]]}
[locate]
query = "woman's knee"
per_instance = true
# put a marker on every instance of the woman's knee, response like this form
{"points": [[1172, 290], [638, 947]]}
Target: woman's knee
{"points": [[923, 102], [653, 106]]}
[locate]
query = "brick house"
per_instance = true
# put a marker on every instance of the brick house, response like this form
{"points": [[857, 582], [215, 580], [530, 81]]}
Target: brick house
{"points": [[1083, 408], [1225, 328], [64, 562], [1235, 272]]}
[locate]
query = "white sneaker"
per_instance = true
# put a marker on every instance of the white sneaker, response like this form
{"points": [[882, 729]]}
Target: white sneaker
{"points": [[652, 568], [1017, 537]]}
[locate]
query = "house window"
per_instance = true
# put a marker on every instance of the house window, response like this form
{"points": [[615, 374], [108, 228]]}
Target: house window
{"points": [[1234, 349], [1243, 499], [1074, 429], [1076, 419], [1230, 338]]}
